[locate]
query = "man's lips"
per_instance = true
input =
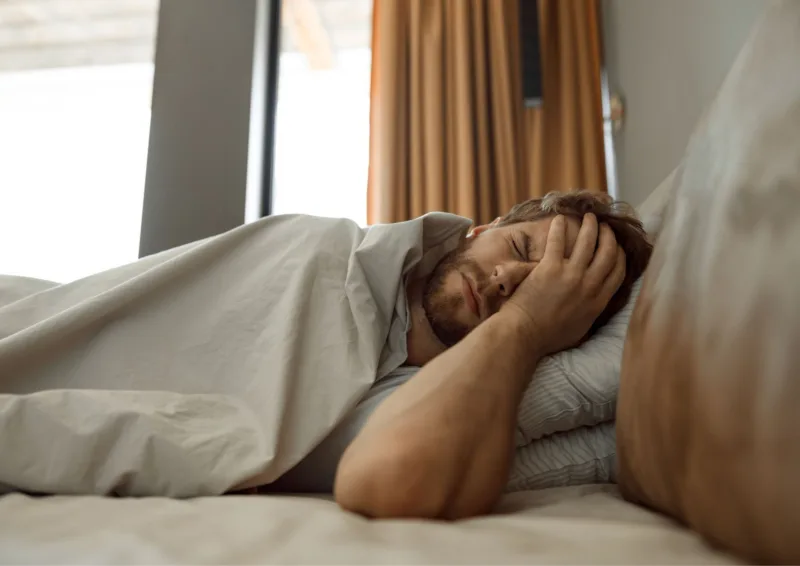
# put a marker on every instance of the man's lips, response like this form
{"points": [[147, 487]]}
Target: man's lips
{"points": [[470, 297]]}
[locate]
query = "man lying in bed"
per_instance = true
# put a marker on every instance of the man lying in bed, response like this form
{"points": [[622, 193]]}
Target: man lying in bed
{"points": [[532, 283]]}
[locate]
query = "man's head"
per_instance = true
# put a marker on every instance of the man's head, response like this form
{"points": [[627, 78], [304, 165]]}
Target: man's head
{"points": [[472, 282]]}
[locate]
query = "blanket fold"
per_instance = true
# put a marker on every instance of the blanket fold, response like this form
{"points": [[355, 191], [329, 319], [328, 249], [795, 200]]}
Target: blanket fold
{"points": [[218, 364]]}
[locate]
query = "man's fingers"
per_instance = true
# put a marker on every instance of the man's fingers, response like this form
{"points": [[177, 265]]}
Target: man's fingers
{"points": [[613, 282], [605, 258], [586, 242], [556, 238]]}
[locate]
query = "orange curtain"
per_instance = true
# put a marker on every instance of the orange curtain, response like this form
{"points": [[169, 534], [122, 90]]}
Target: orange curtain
{"points": [[448, 127]]}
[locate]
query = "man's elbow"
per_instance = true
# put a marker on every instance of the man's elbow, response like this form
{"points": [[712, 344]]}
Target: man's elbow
{"points": [[390, 483]]}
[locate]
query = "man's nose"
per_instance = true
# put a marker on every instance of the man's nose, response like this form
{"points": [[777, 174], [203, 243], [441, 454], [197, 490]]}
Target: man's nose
{"points": [[507, 276]]}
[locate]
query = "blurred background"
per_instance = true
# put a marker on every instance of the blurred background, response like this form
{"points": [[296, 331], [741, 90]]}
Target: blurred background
{"points": [[131, 126]]}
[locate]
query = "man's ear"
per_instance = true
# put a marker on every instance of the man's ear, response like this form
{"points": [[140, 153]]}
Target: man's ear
{"points": [[478, 230]]}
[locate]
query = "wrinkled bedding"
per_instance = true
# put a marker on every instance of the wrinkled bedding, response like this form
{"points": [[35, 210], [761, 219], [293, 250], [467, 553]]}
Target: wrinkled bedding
{"points": [[222, 364], [216, 365]]}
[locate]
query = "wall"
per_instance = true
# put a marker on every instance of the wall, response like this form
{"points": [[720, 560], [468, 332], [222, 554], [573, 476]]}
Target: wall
{"points": [[196, 182], [667, 58]]}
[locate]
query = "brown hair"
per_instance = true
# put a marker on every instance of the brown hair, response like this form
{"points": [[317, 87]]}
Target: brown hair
{"points": [[620, 217]]}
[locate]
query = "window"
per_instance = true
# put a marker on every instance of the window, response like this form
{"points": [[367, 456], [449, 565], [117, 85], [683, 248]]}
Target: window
{"points": [[322, 118], [75, 87]]}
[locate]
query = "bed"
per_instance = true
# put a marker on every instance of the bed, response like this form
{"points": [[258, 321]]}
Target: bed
{"points": [[585, 524], [590, 524], [570, 525]]}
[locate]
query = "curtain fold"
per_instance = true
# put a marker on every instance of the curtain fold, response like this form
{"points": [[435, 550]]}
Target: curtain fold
{"points": [[448, 127]]}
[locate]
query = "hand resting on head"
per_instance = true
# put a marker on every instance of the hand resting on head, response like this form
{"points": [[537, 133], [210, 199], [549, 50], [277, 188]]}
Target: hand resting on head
{"points": [[441, 445]]}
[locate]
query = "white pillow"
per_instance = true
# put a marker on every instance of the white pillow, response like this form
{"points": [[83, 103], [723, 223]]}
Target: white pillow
{"points": [[577, 387], [565, 426], [654, 208], [577, 457]]}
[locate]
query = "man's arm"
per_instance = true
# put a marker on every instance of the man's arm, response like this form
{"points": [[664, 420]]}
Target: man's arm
{"points": [[441, 445]]}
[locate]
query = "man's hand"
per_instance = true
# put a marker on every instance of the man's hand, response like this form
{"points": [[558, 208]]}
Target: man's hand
{"points": [[561, 298]]}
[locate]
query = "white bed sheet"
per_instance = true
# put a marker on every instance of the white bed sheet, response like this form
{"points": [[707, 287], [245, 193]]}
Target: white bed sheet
{"points": [[589, 524]]}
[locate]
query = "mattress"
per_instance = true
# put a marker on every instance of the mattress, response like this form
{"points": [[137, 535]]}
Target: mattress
{"points": [[587, 524]]}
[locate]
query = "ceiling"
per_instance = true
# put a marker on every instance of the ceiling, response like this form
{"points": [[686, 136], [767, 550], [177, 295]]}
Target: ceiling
{"points": [[67, 33]]}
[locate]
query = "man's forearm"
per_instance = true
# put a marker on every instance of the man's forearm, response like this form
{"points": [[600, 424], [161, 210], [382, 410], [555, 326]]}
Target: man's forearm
{"points": [[441, 445]]}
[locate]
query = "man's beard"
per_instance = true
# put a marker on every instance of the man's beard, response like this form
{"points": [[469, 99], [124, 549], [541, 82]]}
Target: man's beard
{"points": [[441, 307]]}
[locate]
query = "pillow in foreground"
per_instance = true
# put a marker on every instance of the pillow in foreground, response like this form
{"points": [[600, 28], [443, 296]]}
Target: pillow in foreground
{"points": [[708, 427]]}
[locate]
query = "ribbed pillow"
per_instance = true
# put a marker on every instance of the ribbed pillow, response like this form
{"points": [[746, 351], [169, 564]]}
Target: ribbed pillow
{"points": [[577, 387], [576, 457]]}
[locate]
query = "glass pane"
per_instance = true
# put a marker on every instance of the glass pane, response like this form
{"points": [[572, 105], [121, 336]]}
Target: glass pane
{"points": [[322, 121], [75, 86]]}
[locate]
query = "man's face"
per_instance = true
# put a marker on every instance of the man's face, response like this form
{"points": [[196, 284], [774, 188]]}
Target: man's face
{"points": [[472, 283]]}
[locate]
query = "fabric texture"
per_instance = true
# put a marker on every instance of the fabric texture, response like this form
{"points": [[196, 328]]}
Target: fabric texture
{"points": [[216, 365], [581, 456], [708, 429], [584, 525], [653, 210], [448, 128], [316, 472], [13, 288]]}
